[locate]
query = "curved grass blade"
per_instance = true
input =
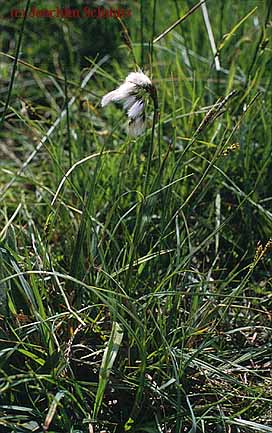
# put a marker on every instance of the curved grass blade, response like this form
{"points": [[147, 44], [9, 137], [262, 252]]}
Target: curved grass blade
{"points": [[108, 359]]}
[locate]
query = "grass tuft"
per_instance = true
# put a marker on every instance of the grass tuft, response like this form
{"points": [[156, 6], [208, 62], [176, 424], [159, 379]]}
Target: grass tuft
{"points": [[135, 273]]}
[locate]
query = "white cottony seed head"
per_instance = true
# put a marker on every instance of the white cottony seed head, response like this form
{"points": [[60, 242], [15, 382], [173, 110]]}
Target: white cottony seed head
{"points": [[136, 110], [131, 94], [136, 126], [138, 78]]}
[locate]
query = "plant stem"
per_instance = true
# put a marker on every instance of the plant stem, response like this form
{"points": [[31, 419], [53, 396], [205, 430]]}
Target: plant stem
{"points": [[154, 97]]}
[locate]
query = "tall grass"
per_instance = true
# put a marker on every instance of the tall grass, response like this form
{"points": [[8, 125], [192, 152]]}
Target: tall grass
{"points": [[135, 280]]}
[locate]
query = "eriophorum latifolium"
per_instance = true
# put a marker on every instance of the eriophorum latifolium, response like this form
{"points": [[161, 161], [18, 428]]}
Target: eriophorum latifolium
{"points": [[143, 289], [132, 94]]}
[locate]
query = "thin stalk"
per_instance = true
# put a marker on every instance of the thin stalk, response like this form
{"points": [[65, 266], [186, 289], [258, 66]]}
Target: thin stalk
{"points": [[67, 119], [150, 152], [153, 31], [15, 64], [142, 33]]}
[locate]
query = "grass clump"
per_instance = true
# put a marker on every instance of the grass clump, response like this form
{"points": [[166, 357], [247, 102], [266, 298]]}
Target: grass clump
{"points": [[135, 281]]}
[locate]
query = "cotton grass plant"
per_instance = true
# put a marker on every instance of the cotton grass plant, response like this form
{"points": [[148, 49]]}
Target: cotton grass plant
{"points": [[137, 297], [132, 94]]}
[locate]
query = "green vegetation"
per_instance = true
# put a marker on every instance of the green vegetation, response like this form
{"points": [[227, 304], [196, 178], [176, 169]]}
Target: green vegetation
{"points": [[135, 273]]}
